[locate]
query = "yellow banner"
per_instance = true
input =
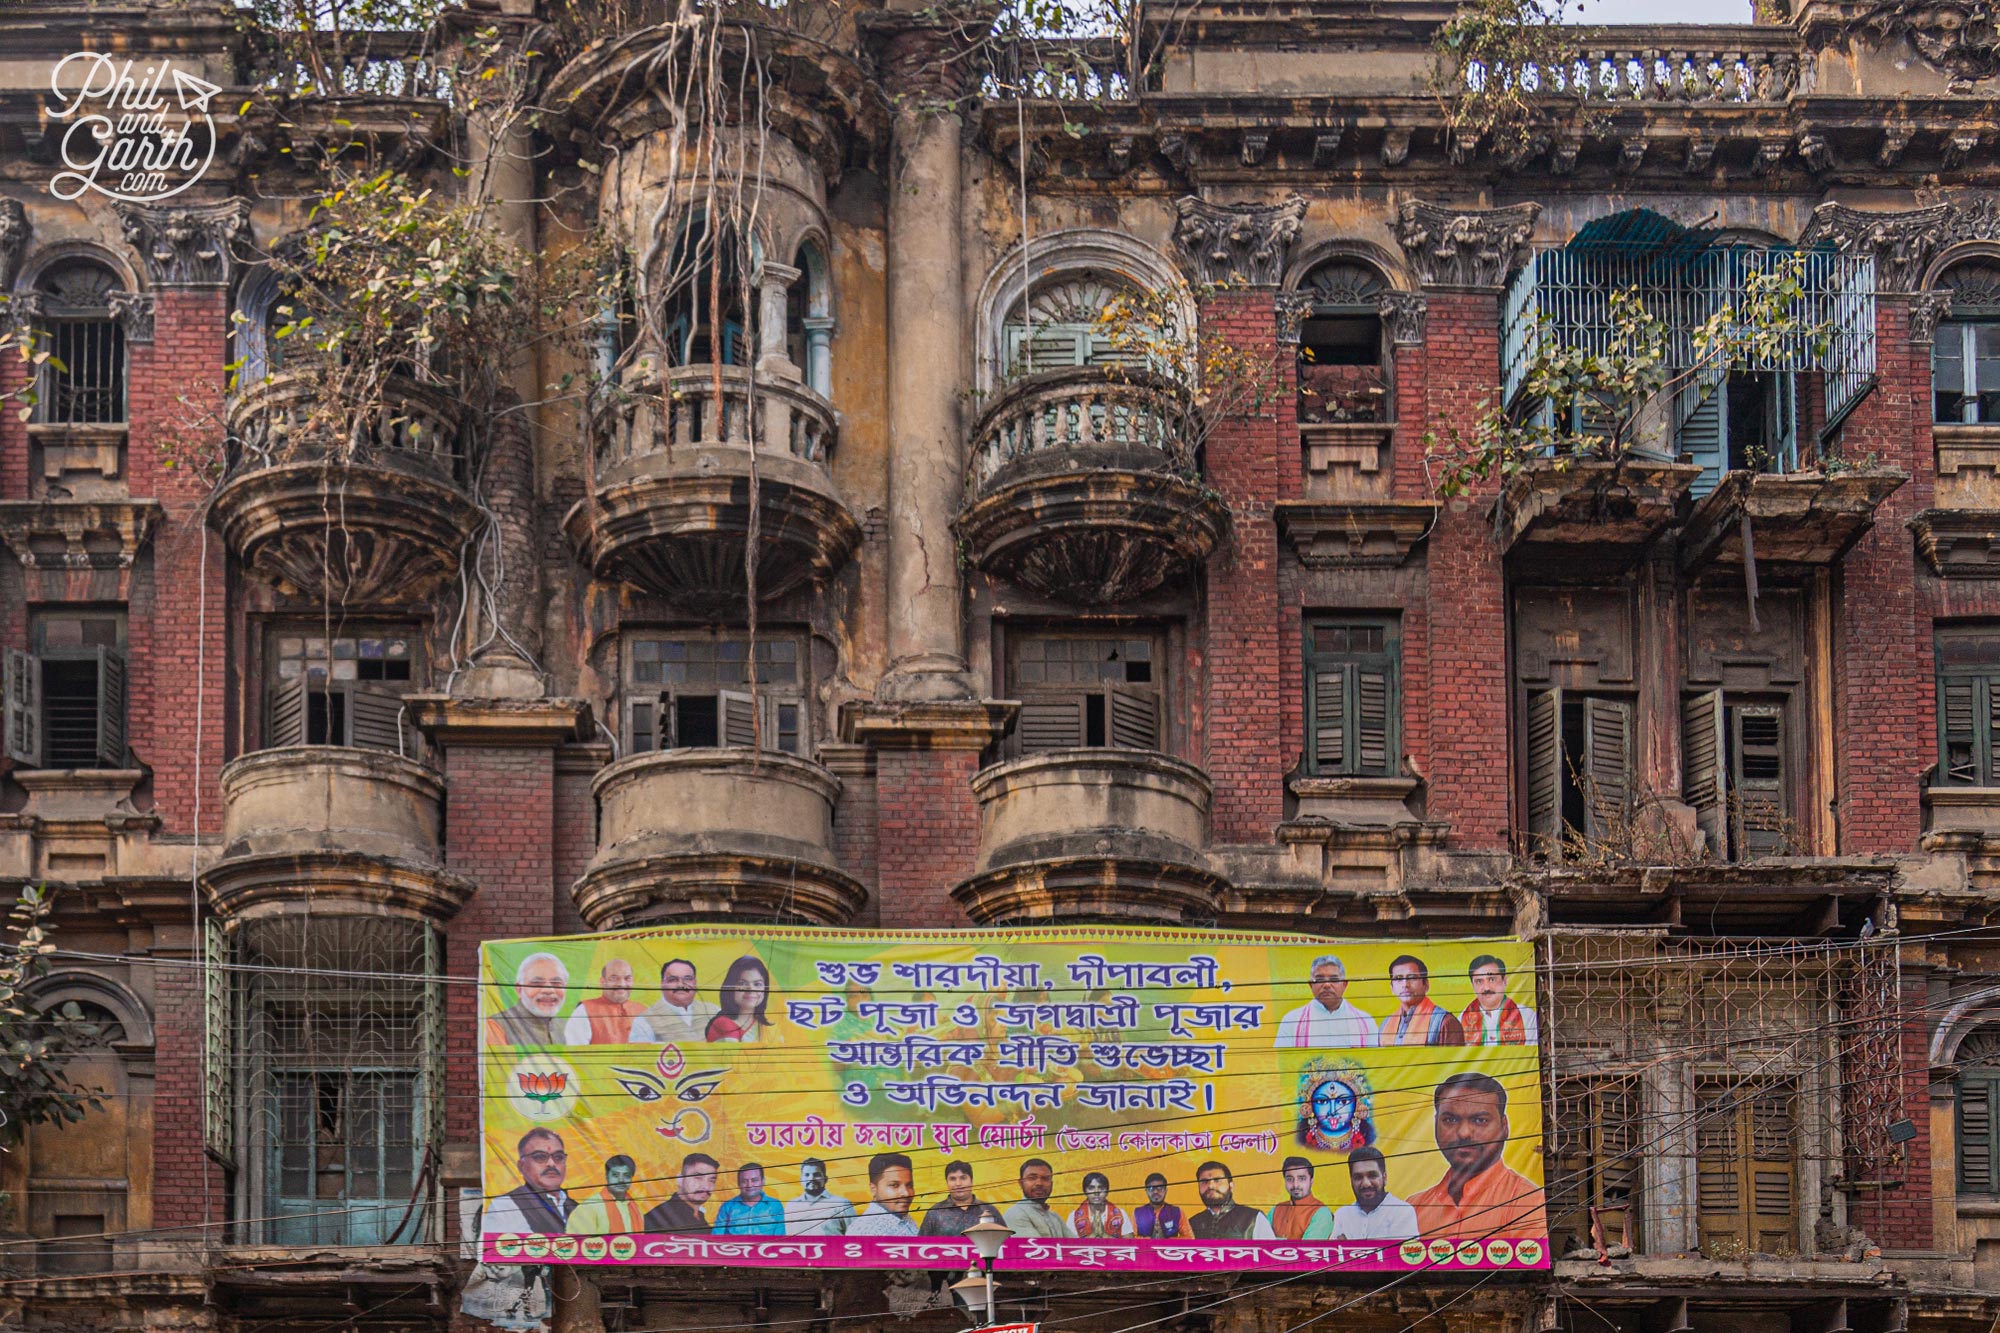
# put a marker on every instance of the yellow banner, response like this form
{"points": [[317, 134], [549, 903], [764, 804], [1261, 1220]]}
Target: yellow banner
{"points": [[1116, 1098]]}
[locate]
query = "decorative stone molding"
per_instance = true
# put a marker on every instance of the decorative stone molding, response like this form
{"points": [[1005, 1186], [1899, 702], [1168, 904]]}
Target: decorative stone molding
{"points": [[1926, 310], [191, 246], [1377, 534], [1403, 314], [1906, 241], [13, 241], [78, 550], [1468, 249], [1957, 38], [1293, 309], [1243, 243], [1959, 543], [134, 310]]}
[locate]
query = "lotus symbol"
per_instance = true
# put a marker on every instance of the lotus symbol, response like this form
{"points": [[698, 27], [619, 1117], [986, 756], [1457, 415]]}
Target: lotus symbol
{"points": [[542, 1088]]}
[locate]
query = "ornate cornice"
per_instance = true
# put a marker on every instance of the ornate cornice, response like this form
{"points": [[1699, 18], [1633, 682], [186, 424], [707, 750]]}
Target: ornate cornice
{"points": [[1403, 315], [1238, 244], [191, 246], [1904, 242], [1468, 249], [13, 241], [1958, 38]]}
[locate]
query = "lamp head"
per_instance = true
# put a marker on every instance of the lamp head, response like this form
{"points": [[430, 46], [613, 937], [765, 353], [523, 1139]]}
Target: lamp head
{"points": [[987, 1236]]}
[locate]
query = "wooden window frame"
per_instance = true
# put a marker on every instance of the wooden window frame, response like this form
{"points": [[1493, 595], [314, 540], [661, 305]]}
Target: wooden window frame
{"points": [[371, 710], [648, 710], [1550, 774], [24, 688], [1743, 817], [1975, 1176], [1123, 702], [1598, 1145], [1728, 1155], [1370, 746], [1968, 705]]}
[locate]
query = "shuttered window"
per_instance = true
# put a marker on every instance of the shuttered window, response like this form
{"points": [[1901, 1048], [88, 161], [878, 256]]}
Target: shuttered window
{"points": [[82, 383], [1968, 698], [1978, 1109], [65, 697], [1746, 1166], [344, 689], [1353, 698], [693, 691], [1578, 769], [1596, 1159], [1080, 691], [1737, 774]]}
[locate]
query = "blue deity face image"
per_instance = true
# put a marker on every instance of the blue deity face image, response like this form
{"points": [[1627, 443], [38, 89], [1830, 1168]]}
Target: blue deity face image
{"points": [[1333, 1108]]}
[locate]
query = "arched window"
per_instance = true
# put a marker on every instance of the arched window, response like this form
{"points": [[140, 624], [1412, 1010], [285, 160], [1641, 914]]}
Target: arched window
{"points": [[809, 320], [1965, 353], [704, 286], [1058, 325], [1341, 360], [83, 381], [1978, 1106]]}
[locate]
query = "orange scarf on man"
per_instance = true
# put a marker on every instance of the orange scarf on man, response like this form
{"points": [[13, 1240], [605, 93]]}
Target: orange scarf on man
{"points": [[1512, 1029]]}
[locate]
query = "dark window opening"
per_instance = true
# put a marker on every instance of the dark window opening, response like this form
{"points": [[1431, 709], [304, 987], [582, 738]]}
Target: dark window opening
{"points": [[341, 690], [694, 691], [65, 697], [697, 720], [1085, 691], [69, 714], [1579, 771], [1343, 340]]}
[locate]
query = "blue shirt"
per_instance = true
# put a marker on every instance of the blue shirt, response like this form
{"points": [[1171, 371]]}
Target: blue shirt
{"points": [[766, 1217]]}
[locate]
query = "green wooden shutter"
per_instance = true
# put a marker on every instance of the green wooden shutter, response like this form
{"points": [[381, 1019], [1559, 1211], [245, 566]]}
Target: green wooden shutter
{"points": [[1962, 743], [1607, 764], [1704, 768], [1374, 691], [1704, 428], [111, 674], [643, 724], [1545, 772], [1759, 779], [1978, 1157], [23, 688], [1773, 1170], [1330, 686], [1989, 753], [1133, 717], [1050, 722], [218, 1050], [1784, 411]]}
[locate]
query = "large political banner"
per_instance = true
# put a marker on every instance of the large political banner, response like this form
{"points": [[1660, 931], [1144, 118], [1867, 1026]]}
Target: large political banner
{"points": [[1119, 1099]]}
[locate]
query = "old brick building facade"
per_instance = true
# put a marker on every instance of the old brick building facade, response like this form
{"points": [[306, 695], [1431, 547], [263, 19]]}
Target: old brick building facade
{"points": [[1718, 725]]}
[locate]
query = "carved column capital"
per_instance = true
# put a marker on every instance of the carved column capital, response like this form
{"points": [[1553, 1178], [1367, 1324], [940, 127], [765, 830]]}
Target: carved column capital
{"points": [[1926, 310], [1403, 315], [13, 241], [1465, 248], [133, 310], [1244, 243], [1904, 242], [1292, 308], [192, 246]]}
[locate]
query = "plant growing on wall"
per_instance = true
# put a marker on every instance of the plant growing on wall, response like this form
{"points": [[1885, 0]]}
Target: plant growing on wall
{"points": [[1616, 398], [33, 1043], [1501, 70]]}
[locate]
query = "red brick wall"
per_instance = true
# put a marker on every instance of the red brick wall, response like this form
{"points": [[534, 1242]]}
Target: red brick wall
{"points": [[1243, 710], [575, 831], [188, 1188], [180, 634], [927, 829], [1456, 690], [500, 807], [1901, 1217], [1886, 730]]}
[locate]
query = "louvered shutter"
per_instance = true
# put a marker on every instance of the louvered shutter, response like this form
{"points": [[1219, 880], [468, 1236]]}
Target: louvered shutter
{"points": [[23, 688], [1759, 762], [1329, 721], [1134, 718], [643, 724], [1607, 764], [1048, 347], [1773, 1171], [1989, 753], [1050, 722], [1719, 1215], [1704, 428], [736, 719], [286, 722], [1545, 772], [1961, 747], [1373, 690], [111, 707], [1978, 1161], [1784, 423], [374, 719], [1705, 774]]}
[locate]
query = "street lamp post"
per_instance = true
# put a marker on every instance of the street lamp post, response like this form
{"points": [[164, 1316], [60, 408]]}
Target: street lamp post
{"points": [[987, 1237]]}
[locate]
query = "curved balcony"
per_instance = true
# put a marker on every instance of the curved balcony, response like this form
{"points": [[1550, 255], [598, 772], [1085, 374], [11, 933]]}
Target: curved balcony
{"points": [[1089, 836], [378, 514], [696, 835], [671, 510], [333, 826], [1083, 486]]}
